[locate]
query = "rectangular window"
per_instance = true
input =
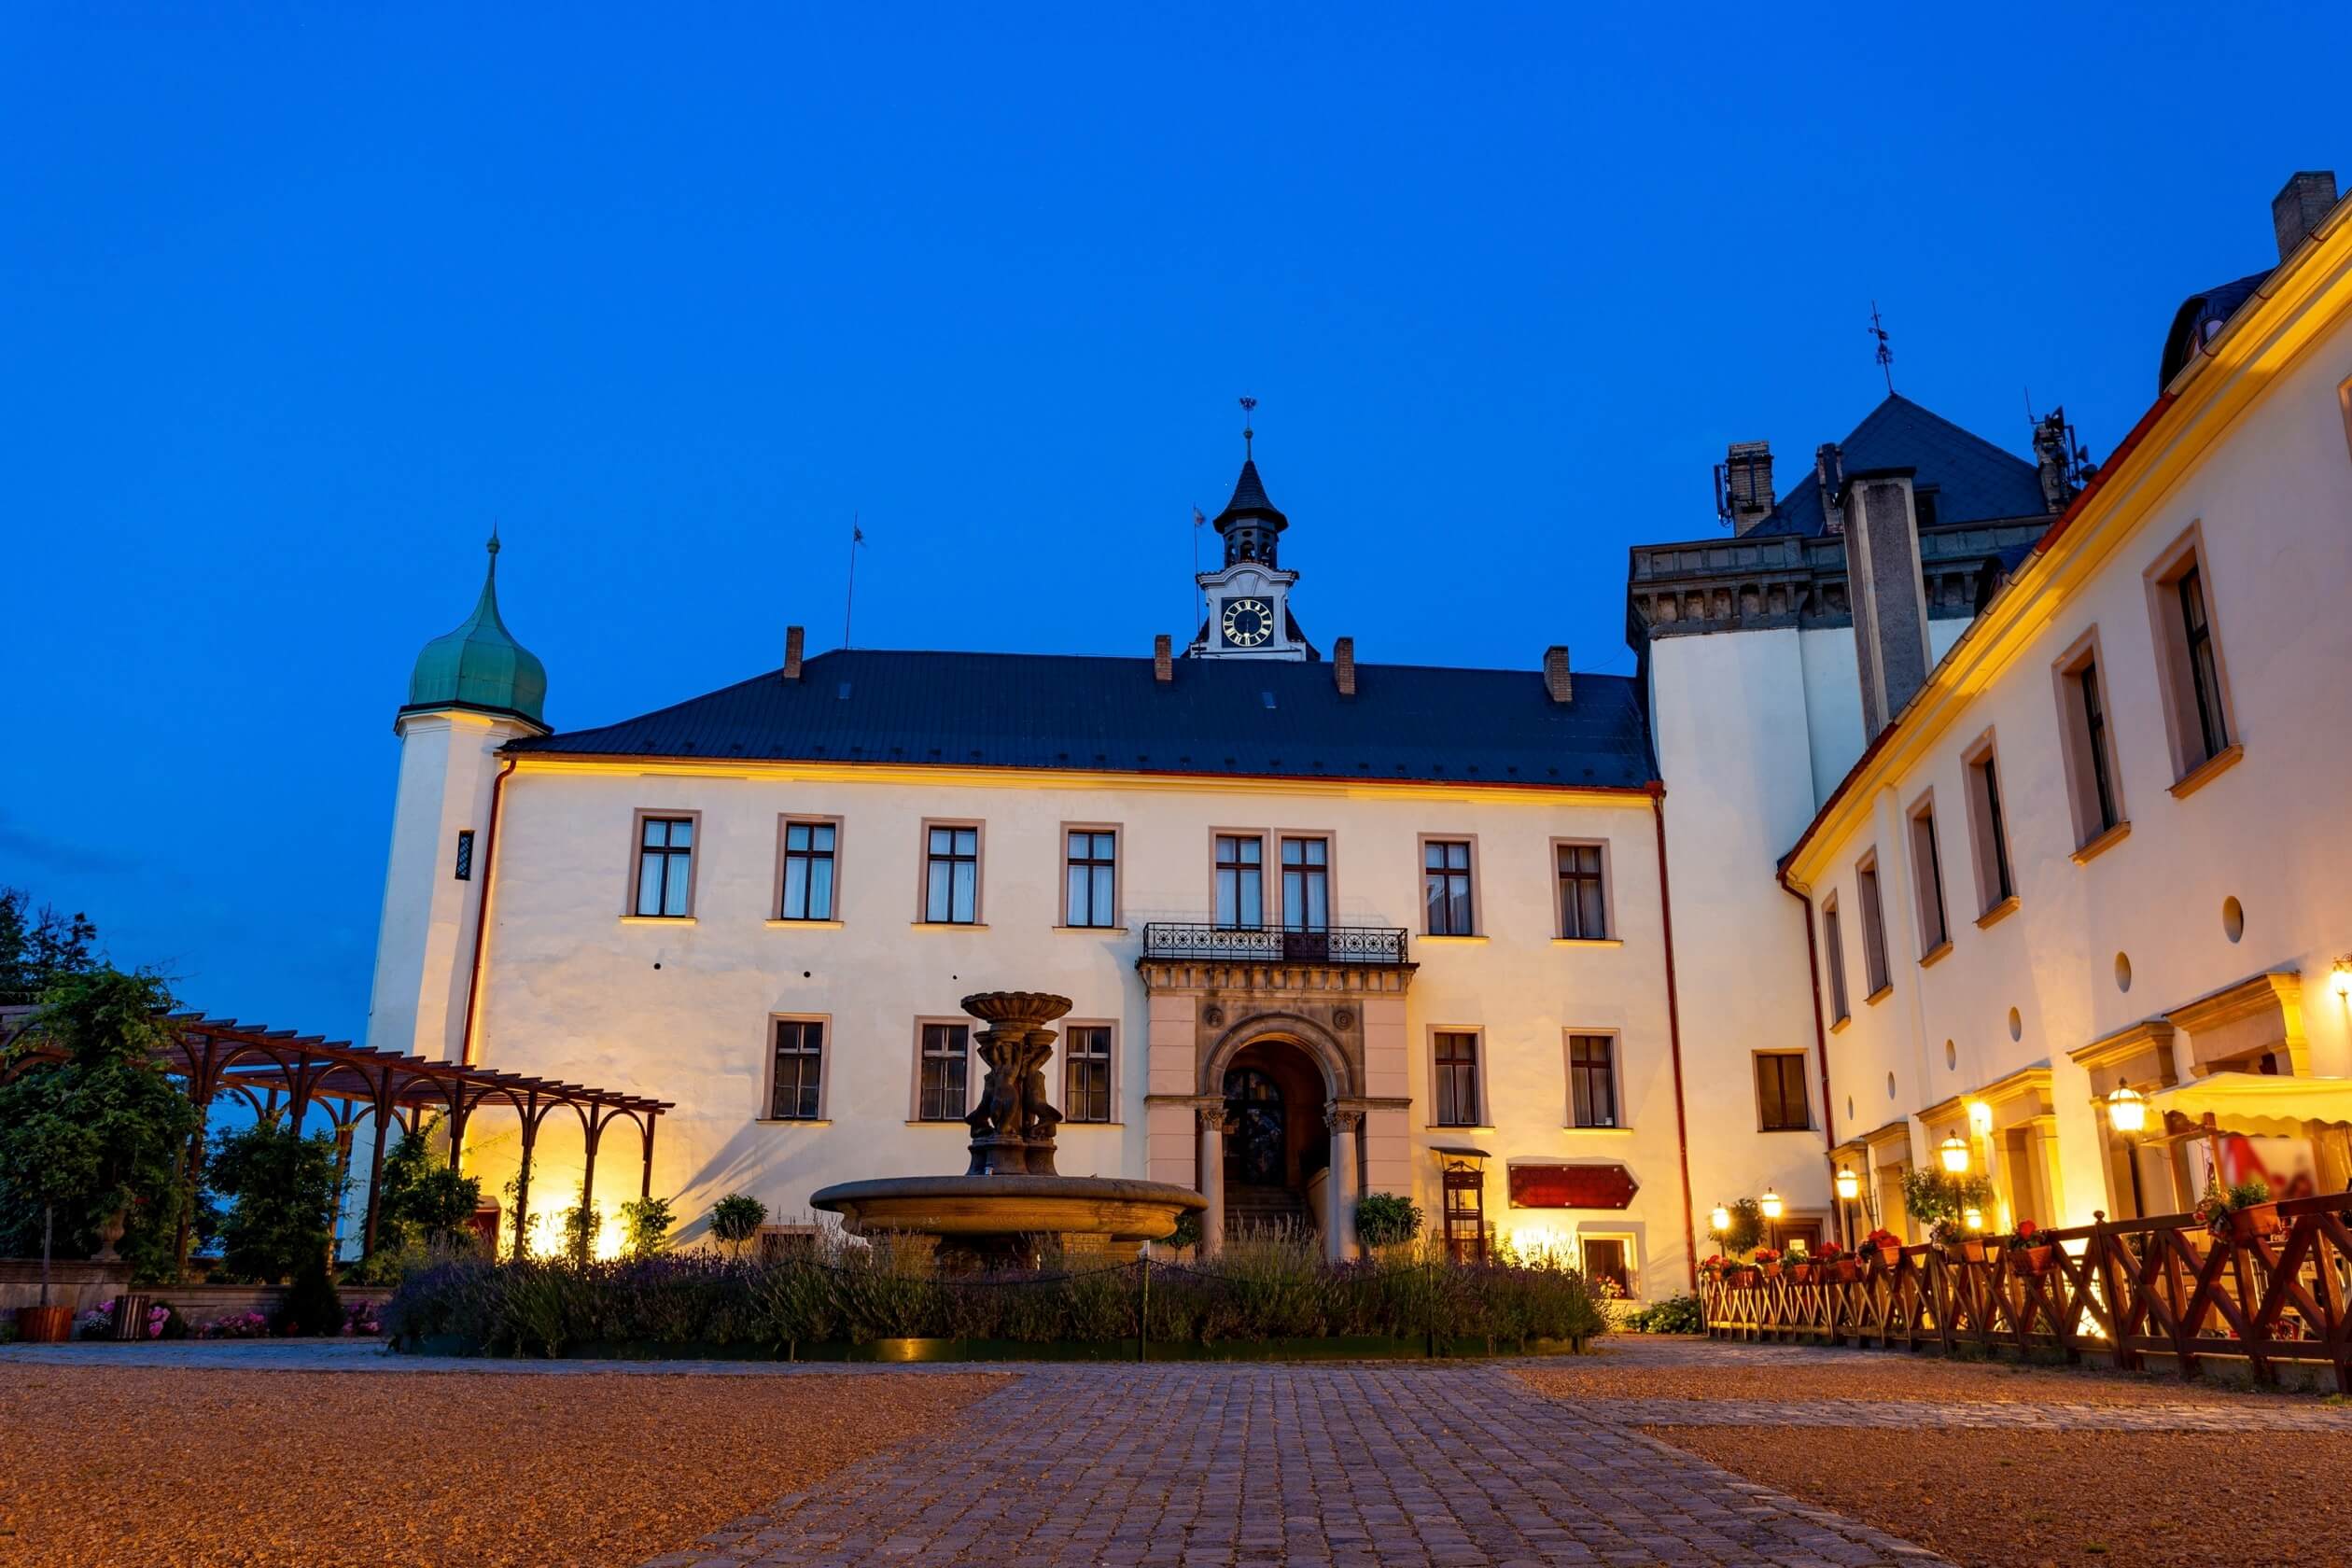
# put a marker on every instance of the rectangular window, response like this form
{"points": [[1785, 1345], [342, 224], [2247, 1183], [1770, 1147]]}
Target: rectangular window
{"points": [[1780, 1092], [1584, 907], [465, 855], [1996, 883], [1306, 884], [1833, 943], [1866, 881], [808, 871], [799, 1076], [939, 1091], [665, 865], [951, 876], [2205, 677], [1446, 887], [1456, 1074], [2096, 735], [1592, 1080], [1090, 877], [1240, 881], [1604, 1258], [1927, 881], [1086, 1072]]}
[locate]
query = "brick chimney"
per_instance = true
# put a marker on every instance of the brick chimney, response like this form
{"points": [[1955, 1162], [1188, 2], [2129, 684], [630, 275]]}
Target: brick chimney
{"points": [[1343, 666], [793, 637], [2300, 208], [1162, 658], [1747, 485], [1556, 682]]}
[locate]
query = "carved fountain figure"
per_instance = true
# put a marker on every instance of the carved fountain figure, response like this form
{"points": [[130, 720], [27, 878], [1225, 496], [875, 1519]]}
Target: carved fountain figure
{"points": [[1010, 1202]]}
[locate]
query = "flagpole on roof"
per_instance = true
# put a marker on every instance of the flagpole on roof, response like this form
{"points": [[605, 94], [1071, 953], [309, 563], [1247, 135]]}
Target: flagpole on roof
{"points": [[849, 598]]}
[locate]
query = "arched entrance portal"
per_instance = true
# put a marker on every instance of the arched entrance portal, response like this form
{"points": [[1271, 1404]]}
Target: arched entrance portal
{"points": [[1277, 1146]]}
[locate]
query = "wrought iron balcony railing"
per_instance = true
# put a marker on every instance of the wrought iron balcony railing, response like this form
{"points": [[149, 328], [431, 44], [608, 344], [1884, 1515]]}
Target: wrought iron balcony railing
{"points": [[1332, 944]]}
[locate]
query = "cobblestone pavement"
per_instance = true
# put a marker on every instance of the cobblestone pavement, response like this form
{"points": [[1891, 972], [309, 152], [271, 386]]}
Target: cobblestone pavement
{"points": [[1916, 1414], [1206, 1466]]}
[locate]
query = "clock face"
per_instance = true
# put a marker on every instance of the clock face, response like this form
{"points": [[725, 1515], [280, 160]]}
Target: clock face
{"points": [[1248, 622]]}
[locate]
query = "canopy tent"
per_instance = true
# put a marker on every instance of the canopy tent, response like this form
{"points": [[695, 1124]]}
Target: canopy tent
{"points": [[2257, 1104]]}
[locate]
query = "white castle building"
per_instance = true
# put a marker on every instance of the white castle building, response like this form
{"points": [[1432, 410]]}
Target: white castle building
{"points": [[1567, 958]]}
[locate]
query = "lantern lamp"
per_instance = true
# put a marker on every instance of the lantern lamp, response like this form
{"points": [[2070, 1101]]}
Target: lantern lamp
{"points": [[1972, 1218], [1721, 1221], [2127, 1110], [1849, 1184], [1770, 1204], [1954, 1153]]}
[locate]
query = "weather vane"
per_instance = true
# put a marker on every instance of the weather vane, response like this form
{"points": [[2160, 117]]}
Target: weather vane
{"points": [[1249, 408], [1886, 348]]}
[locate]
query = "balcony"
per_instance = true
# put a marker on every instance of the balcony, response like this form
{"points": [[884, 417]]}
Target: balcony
{"points": [[1364, 947]]}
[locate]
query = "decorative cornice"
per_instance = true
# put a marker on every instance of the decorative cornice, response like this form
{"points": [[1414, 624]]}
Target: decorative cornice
{"points": [[1194, 975]]}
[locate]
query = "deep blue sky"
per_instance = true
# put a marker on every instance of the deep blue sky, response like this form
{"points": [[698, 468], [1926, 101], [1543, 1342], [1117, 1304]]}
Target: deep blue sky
{"points": [[292, 307]]}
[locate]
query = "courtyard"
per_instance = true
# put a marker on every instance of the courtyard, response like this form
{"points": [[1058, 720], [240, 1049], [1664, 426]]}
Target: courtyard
{"points": [[1650, 1451]]}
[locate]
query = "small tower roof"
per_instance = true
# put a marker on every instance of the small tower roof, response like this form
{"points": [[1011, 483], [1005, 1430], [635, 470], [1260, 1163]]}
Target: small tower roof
{"points": [[480, 665], [1248, 500]]}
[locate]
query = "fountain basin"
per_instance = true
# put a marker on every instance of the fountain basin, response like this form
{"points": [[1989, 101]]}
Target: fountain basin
{"points": [[968, 1207]]}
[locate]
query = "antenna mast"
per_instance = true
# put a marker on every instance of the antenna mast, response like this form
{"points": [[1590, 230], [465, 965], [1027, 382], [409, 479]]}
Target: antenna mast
{"points": [[849, 598], [1886, 349]]}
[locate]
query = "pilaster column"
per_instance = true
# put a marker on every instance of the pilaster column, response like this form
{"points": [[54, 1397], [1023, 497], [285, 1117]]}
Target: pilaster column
{"points": [[1346, 1123], [1213, 1119]]}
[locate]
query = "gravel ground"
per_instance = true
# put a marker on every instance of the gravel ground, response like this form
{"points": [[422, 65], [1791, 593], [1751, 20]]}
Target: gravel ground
{"points": [[2167, 1500], [129, 1467], [1720, 1373]]}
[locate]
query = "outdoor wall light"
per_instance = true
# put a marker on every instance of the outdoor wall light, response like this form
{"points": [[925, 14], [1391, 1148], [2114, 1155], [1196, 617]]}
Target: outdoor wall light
{"points": [[1972, 1218], [1980, 1117], [1721, 1221], [1849, 1184], [2127, 1110], [1770, 1204], [1954, 1155], [2341, 978]]}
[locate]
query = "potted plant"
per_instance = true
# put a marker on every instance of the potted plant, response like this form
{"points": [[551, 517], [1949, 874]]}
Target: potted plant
{"points": [[2030, 1251], [51, 1159], [1883, 1245], [1834, 1263], [1711, 1269], [1801, 1268], [2240, 1212], [1768, 1261]]}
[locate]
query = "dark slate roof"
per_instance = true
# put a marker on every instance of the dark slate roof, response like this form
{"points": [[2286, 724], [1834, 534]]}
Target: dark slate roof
{"points": [[1974, 480], [1249, 499], [1231, 717], [2198, 318]]}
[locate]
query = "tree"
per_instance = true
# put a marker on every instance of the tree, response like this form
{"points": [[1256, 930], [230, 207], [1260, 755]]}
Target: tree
{"points": [[736, 1218], [419, 1199], [47, 1161], [108, 1028], [645, 1223], [1387, 1220], [36, 950], [284, 1191]]}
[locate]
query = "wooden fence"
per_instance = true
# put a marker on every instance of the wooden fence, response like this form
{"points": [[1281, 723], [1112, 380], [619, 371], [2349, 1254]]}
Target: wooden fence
{"points": [[2125, 1291]]}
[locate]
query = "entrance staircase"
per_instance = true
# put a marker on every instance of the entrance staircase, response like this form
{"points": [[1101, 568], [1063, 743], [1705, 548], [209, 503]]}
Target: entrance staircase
{"points": [[1254, 1212]]}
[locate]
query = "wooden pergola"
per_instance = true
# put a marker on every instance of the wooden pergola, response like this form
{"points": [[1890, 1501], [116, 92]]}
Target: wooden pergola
{"points": [[280, 1072]]}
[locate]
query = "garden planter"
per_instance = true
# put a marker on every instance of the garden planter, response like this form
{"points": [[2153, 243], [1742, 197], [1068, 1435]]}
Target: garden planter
{"points": [[2261, 1219], [1842, 1270], [1771, 1271], [45, 1326], [2031, 1260], [1741, 1279], [1888, 1256], [1802, 1272], [1975, 1252]]}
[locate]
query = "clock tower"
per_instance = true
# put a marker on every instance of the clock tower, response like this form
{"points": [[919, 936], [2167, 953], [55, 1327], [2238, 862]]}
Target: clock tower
{"points": [[1249, 597]]}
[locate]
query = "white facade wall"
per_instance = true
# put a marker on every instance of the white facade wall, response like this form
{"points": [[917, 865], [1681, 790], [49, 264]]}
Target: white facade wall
{"points": [[1730, 714], [574, 989], [2272, 496]]}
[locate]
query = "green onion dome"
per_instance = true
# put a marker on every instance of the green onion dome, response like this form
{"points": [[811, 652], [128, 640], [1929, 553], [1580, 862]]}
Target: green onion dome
{"points": [[480, 665]]}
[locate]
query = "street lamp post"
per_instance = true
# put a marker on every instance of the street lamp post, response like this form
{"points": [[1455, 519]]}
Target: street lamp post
{"points": [[2127, 1114]]}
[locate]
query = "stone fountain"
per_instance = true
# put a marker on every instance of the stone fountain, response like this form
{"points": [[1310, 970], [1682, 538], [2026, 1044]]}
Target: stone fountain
{"points": [[1009, 1201]]}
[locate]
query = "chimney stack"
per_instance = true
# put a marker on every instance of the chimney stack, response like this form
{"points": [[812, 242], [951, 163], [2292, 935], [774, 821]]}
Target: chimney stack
{"points": [[2302, 206], [793, 637], [1343, 666], [1747, 485], [1556, 682], [1163, 659]]}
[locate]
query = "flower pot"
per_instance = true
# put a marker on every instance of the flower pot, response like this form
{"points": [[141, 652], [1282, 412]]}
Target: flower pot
{"points": [[1802, 1272], [45, 1326], [1771, 1271], [1742, 1278], [2260, 1219], [2031, 1260], [1889, 1254], [1842, 1270], [1975, 1252]]}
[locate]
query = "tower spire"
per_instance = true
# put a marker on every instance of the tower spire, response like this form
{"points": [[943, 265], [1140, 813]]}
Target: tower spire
{"points": [[1249, 414]]}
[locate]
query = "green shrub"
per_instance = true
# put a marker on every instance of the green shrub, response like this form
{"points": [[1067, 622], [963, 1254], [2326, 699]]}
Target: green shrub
{"points": [[285, 1193], [1387, 1220], [1676, 1315], [893, 1288], [736, 1218], [311, 1305], [645, 1226]]}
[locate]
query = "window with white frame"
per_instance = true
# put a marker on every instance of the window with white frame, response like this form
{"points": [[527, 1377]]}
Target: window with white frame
{"points": [[1780, 1092], [1592, 1101], [2088, 743], [2187, 656], [1306, 884], [1997, 882], [942, 1068], [1833, 949], [1240, 881], [1935, 930], [1866, 888], [1086, 1073], [796, 1077], [1446, 887], [1456, 1059], [951, 874]]}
